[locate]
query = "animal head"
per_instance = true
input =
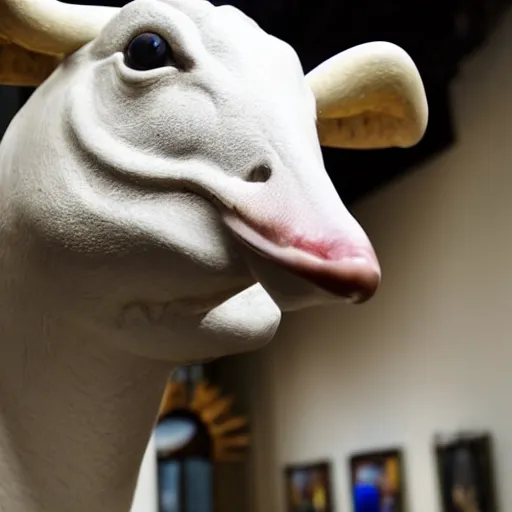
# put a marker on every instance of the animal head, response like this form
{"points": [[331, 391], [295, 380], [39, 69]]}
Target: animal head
{"points": [[166, 182]]}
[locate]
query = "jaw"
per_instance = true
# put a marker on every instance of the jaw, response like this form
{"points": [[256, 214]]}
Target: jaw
{"points": [[244, 316], [229, 322], [245, 321]]}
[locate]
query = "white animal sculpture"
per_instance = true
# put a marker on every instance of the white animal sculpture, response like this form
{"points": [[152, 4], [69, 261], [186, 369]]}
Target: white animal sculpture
{"points": [[162, 199]]}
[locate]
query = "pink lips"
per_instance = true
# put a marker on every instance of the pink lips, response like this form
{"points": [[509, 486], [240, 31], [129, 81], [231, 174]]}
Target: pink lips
{"points": [[341, 269]]}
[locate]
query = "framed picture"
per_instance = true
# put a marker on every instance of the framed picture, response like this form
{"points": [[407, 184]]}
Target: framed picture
{"points": [[377, 481], [308, 488], [465, 472]]}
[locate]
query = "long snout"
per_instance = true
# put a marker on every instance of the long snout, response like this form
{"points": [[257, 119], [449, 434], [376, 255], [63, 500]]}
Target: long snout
{"points": [[344, 267], [304, 228]]}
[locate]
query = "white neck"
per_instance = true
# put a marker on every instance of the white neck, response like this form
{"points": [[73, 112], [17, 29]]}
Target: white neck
{"points": [[75, 415]]}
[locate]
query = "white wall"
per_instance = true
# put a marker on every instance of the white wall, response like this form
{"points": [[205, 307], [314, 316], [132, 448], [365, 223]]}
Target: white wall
{"points": [[433, 351]]}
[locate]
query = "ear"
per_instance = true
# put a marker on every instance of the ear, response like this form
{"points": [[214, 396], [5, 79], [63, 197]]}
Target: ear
{"points": [[370, 96], [24, 68]]}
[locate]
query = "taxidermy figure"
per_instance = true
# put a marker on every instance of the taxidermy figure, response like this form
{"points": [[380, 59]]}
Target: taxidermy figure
{"points": [[162, 199]]}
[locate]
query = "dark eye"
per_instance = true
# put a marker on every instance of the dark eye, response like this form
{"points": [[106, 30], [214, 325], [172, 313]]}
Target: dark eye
{"points": [[148, 51]]}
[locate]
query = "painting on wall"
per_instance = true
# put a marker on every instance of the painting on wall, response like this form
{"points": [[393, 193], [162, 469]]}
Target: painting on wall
{"points": [[377, 481], [465, 473], [308, 488]]}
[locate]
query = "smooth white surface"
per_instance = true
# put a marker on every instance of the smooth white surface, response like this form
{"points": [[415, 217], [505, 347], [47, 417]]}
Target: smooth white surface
{"points": [[432, 352]]}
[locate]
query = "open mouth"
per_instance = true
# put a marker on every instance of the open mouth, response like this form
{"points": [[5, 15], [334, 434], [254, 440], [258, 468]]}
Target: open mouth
{"points": [[354, 276], [343, 268]]}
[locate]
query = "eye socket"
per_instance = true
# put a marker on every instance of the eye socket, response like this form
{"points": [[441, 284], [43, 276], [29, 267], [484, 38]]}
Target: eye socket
{"points": [[148, 51]]}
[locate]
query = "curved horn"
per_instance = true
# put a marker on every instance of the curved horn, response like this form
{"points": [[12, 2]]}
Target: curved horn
{"points": [[370, 96], [49, 26]]}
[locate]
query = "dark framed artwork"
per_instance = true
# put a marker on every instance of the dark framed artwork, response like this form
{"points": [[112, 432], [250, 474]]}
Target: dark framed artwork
{"points": [[377, 481], [465, 471], [308, 487]]}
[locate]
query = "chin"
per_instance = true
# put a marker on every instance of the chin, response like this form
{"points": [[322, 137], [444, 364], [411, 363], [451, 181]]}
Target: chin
{"points": [[243, 322]]}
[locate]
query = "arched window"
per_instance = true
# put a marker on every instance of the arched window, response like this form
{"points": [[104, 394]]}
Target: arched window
{"points": [[184, 451], [196, 428]]}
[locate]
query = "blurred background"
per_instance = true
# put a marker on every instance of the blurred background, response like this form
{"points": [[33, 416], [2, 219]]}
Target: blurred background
{"points": [[430, 355]]}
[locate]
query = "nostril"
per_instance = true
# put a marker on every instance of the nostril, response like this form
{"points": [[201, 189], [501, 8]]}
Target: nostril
{"points": [[260, 174]]}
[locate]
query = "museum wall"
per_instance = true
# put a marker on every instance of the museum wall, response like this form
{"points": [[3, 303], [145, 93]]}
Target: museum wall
{"points": [[432, 353]]}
